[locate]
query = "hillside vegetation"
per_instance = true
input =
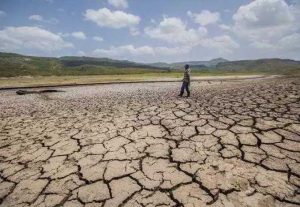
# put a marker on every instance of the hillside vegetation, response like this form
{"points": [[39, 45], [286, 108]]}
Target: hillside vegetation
{"points": [[279, 66], [18, 65], [194, 64], [12, 65]]}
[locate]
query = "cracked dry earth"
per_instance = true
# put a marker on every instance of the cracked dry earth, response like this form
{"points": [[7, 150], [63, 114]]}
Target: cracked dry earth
{"points": [[233, 143]]}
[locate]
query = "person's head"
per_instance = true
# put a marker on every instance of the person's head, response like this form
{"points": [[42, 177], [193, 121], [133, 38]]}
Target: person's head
{"points": [[186, 66]]}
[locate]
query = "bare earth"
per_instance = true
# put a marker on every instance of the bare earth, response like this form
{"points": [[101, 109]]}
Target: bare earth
{"points": [[233, 143], [40, 81]]}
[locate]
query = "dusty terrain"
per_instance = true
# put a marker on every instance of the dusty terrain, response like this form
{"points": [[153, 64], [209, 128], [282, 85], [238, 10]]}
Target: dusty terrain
{"points": [[233, 143], [39, 81]]}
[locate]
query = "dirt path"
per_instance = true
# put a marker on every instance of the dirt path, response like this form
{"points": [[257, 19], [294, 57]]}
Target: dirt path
{"points": [[233, 143]]}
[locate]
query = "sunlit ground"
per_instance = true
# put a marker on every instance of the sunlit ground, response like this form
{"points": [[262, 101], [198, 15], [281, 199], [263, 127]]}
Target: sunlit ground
{"points": [[91, 79]]}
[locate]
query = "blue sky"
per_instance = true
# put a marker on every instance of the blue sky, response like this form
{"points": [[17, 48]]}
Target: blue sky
{"points": [[151, 31]]}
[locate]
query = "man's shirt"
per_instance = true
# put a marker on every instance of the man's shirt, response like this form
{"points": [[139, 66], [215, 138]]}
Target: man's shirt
{"points": [[186, 76]]}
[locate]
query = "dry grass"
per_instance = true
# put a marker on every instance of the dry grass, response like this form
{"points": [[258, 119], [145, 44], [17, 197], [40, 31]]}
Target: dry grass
{"points": [[92, 79]]}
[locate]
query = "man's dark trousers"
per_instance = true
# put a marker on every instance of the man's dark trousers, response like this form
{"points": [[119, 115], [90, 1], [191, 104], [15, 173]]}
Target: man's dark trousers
{"points": [[185, 86]]}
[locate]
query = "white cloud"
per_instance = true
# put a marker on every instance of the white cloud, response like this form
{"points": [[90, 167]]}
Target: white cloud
{"points": [[121, 4], [171, 51], [81, 53], [98, 38], [261, 45], [225, 27], [79, 35], [113, 19], [259, 14], [2, 13], [126, 51], [286, 43], [15, 38], [52, 21], [265, 22], [173, 30], [48, 1], [134, 31], [223, 44], [290, 42], [64, 34], [36, 17], [205, 17]]}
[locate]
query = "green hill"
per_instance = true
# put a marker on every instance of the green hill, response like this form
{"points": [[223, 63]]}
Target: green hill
{"points": [[220, 65], [200, 64], [19, 65], [193, 64], [275, 65]]}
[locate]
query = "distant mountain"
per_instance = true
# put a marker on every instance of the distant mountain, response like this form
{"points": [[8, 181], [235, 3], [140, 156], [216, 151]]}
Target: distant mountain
{"points": [[161, 65], [210, 63], [221, 65], [19, 65], [216, 61], [193, 64], [73, 61], [274, 65]]}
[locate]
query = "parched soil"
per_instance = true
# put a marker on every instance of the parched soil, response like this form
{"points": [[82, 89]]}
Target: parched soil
{"points": [[233, 143]]}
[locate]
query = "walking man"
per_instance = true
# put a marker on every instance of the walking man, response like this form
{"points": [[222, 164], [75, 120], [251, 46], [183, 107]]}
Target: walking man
{"points": [[186, 81]]}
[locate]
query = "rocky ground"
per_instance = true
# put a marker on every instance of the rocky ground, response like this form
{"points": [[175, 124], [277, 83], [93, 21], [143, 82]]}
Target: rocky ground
{"points": [[233, 143]]}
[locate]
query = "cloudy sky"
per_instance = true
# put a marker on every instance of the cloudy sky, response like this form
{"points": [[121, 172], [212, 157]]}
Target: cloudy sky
{"points": [[152, 30]]}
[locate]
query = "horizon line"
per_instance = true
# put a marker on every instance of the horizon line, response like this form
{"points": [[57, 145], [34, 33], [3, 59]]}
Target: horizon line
{"points": [[184, 61]]}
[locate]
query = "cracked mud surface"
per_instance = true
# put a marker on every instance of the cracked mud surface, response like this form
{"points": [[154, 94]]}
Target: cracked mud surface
{"points": [[231, 144]]}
